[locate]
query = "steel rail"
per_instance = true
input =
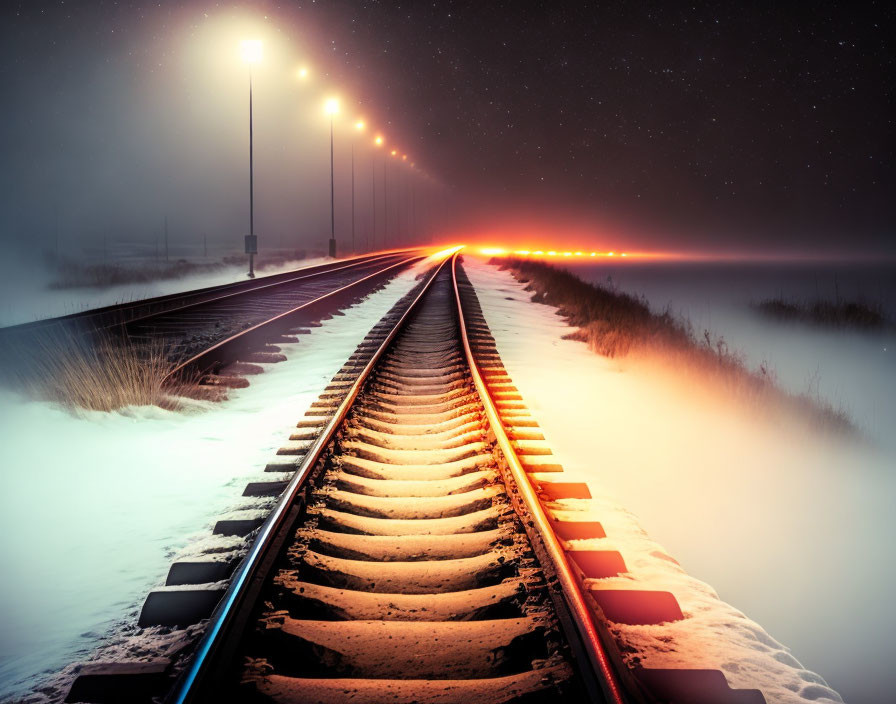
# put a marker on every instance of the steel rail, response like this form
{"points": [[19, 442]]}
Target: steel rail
{"points": [[245, 573], [196, 360], [256, 289], [570, 588], [233, 288]]}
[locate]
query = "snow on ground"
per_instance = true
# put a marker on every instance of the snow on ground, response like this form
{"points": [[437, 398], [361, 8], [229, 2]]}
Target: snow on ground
{"points": [[96, 507], [25, 295], [793, 528]]}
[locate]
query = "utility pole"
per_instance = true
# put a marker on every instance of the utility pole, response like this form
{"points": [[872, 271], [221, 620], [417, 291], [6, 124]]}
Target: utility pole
{"points": [[332, 247], [353, 196], [385, 203], [166, 238], [251, 242], [252, 53]]}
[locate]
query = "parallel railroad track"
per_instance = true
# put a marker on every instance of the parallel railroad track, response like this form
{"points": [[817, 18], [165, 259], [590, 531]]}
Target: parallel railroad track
{"points": [[117, 314], [204, 332]]}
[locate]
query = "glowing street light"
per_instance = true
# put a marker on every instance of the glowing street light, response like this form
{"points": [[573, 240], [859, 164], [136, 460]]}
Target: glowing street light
{"points": [[331, 108], [302, 73], [359, 127], [251, 50]]}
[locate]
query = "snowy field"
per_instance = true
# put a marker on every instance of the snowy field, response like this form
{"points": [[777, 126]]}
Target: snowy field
{"points": [[96, 507], [792, 528]]}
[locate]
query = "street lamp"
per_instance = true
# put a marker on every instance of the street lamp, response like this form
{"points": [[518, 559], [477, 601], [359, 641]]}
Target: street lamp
{"points": [[359, 127], [403, 203], [393, 154], [331, 107], [251, 50], [378, 142]]}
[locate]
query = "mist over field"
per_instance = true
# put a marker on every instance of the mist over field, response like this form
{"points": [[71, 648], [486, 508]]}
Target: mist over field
{"points": [[853, 369]]}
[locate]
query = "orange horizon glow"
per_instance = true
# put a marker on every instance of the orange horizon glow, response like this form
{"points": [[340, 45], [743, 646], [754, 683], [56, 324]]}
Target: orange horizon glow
{"points": [[683, 256], [551, 254]]}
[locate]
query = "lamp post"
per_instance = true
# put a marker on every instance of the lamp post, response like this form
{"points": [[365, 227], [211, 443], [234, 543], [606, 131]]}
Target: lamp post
{"points": [[378, 142], [252, 51], [393, 154], [331, 107], [405, 204], [359, 127]]}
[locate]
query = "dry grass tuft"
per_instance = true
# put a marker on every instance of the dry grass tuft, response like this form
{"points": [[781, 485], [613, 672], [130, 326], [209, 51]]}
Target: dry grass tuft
{"points": [[616, 324], [99, 371]]}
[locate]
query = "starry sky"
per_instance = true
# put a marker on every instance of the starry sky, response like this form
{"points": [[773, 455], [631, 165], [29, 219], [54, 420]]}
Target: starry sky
{"points": [[716, 125], [768, 121]]}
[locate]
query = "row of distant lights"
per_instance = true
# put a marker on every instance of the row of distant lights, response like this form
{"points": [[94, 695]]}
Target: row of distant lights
{"points": [[499, 252], [253, 50]]}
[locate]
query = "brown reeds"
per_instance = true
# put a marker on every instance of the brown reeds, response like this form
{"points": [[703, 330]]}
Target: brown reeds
{"points": [[98, 371]]}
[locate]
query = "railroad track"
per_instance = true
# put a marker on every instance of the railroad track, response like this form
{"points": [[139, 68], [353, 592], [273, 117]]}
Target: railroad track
{"points": [[109, 316], [408, 576], [212, 336], [411, 554]]}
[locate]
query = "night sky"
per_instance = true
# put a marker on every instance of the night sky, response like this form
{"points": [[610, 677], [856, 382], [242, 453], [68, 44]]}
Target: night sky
{"points": [[726, 125], [729, 117]]}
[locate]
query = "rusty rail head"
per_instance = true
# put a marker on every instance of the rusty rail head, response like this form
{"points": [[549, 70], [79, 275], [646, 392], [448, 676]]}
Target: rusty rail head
{"points": [[247, 572], [572, 594]]}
